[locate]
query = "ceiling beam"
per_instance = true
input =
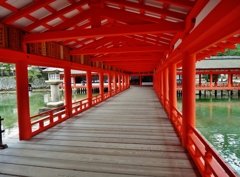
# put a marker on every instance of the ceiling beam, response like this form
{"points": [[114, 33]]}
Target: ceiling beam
{"points": [[131, 58], [183, 3], [99, 32], [120, 50], [55, 15], [25, 11], [155, 10]]}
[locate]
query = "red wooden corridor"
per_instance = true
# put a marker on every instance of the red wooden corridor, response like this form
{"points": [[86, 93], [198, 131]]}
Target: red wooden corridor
{"points": [[119, 39]]}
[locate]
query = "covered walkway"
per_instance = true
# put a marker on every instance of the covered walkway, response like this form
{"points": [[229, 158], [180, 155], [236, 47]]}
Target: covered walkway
{"points": [[127, 135]]}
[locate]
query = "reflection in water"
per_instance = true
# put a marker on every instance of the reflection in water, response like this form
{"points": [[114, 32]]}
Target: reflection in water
{"points": [[218, 119]]}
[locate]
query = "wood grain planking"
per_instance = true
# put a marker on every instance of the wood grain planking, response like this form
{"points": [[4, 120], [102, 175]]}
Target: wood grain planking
{"points": [[141, 161], [23, 170], [165, 136], [97, 167], [100, 151]]}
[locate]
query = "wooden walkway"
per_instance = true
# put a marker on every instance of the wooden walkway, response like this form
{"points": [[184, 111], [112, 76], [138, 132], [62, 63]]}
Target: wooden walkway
{"points": [[127, 135]]}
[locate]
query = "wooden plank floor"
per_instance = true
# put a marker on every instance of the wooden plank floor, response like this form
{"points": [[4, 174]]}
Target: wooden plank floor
{"points": [[127, 135]]}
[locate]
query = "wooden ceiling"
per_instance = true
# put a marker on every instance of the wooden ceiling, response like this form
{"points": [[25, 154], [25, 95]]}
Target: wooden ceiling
{"points": [[132, 35]]}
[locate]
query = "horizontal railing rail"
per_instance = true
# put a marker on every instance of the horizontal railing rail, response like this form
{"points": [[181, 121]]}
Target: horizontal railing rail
{"points": [[206, 158], [80, 106], [45, 120], [96, 99], [214, 85]]}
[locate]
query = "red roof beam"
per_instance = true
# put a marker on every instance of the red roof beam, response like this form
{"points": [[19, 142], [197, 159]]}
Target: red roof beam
{"points": [[55, 15], [132, 58], [150, 9], [183, 3], [26, 11], [98, 32], [121, 50]]}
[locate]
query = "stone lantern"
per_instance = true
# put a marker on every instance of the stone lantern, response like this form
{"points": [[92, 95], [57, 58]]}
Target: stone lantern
{"points": [[54, 81]]}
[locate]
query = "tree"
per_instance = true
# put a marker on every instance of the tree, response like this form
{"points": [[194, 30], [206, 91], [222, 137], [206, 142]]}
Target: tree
{"points": [[231, 52], [34, 73]]}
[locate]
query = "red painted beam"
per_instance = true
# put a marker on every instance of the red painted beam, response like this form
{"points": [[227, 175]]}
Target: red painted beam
{"points": [[99, 32], [23, 12], [155, 10], [127, 58], [120, 50], [222, 23], [55, 15], [183, 3]]}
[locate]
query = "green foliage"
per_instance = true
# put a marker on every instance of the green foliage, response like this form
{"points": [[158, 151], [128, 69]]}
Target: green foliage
{"points": [[230, 52], [34, 73], [6, 69]]}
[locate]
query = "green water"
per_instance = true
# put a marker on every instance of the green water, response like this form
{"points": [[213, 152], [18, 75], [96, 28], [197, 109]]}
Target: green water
{"points": [[218, 120], [8, 109]]}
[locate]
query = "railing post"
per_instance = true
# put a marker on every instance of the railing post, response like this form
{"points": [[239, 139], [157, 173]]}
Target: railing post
{"points": [[2, 146]]}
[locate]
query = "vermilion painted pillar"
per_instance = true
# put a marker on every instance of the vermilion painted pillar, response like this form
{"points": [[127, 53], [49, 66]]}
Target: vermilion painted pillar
{"points": [[68, 91], [188, 95], [24, 122], [101, 85], [115, 83], [161, 85], [200, 80], [210, 80], [89, 87], [110, 84], [119, 83], [140, 80], [165, 85], [172, 87], [229, 79]]}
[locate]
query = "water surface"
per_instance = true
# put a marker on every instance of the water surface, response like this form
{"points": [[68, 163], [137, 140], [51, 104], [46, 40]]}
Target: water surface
{"points": [[218, 120]]}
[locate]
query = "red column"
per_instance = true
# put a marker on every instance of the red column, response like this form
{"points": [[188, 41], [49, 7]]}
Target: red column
{"points": [[115, 83], [89, 87], [165, 85], [140, 80], [200, 80], [101, 85], [172, 87], [161, 85], [210, 80], [24, 122], [229, 79], [188, 97], [68, 90], [110, 84], [119, 83]]}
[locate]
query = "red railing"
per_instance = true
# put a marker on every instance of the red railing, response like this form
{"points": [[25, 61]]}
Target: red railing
{"points": [[177, 120], [107, 95], [45, 120], [214, 85], [96, 99], [79, 106], [205, 157], [208, 161]]}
